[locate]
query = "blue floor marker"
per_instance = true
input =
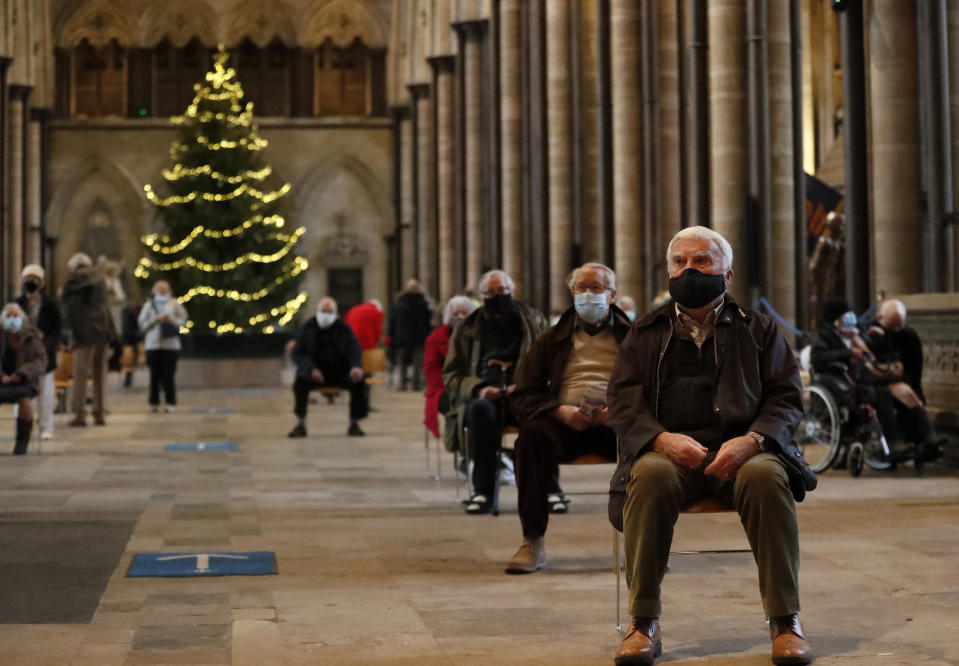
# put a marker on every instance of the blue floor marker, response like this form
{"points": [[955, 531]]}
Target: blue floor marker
{"points": [[201, 446], [184, 565], [213, 410]]}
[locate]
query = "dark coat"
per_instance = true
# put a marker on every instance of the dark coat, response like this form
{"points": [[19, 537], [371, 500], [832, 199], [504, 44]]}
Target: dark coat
{"points": [[306, 341], [538, 386], [459, 369], [86, 312], [757, 385], [30, 356], [828, 350], [409, 321], [50, 324]]}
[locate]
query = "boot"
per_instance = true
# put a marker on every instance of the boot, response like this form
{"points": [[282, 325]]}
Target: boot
{"points": [[23, 436]]}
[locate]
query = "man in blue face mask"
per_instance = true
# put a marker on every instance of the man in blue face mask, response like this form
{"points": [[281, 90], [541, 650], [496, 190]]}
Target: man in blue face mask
{"points": [[560, 401], [705, 399]]}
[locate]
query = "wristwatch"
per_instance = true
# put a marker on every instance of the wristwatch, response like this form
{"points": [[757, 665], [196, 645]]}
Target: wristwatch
{"points": [[759, 438]]}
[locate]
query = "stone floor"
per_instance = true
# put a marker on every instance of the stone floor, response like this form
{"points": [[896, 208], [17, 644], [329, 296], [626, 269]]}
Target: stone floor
{"points": [[377, 564]]}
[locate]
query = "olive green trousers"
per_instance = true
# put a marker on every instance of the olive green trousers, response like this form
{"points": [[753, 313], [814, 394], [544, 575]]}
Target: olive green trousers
{"points": [[658, 490]]}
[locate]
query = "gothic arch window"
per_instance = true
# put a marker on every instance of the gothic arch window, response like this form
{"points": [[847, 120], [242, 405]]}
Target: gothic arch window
{"points": [[348, 80], [176, 71], [265, 75], [97, 80]]}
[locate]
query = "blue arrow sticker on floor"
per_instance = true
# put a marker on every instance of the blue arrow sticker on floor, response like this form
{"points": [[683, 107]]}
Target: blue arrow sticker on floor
{"points": [[213, 410], [202, 446], [161, 565]]}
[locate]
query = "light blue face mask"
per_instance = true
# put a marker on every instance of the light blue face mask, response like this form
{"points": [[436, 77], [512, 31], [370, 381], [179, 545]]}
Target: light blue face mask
{"points": [[590, 307], [849, 319], [12, 324], [161, 299]]}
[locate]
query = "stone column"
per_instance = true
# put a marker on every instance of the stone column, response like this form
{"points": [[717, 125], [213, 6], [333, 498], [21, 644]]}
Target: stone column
{"points": [[895, 150], [671, 147], [586, 125], [559, 149], [953, 37], [471, 47], [728, 141], [781, 290], [425, 218], [407, 200], [444, 151], [624, 18], [16, 162], [34, 175], [511, 140]]}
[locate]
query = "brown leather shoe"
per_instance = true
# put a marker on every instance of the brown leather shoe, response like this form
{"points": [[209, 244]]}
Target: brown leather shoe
{"points": [[789, 645], [641, 644]]}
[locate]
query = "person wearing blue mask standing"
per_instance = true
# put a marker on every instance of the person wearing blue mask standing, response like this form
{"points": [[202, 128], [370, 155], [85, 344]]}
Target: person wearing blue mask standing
{"points": [[160, 320], [559, 401], [23, 361]]}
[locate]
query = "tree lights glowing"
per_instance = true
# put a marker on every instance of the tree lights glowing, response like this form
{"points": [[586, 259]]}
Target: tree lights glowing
{"points": [[224, 250]]}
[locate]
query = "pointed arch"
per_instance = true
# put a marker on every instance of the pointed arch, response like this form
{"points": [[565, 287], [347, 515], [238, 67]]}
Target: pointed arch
{"points": [[261, 22], [342, 21], [98, 21], [179, 22]]}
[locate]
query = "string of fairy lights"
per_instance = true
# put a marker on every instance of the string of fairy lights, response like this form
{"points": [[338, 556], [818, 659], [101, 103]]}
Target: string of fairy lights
{"points": [[221, 86]]}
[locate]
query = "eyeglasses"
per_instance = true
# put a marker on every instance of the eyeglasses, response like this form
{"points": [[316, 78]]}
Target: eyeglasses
{"points": [[489, 293], [591, 288]]}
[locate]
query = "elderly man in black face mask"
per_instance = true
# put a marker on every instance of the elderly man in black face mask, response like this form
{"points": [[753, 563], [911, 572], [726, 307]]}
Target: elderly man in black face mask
{"points": [[501, 330], [705, 398]]}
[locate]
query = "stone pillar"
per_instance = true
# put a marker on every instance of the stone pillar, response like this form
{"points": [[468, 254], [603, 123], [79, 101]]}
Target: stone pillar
{"points": [[471, 35], [671, 146], [952, 18], [34, 210], [425, 219], [895, 150], [16, 162], [444, 151], [781, 290], [728, 141], [407, 238], [511, 140], [586, 125], [628, 165], [559, 147]]}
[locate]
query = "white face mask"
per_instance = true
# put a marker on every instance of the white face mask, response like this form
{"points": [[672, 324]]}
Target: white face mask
{"points": [[12, 323], [325, 319]]}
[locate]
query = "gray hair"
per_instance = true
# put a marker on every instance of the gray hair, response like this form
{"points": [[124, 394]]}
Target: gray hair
{"points": [[504, 278], [456, 303], [16, 309], [610, 279], [703, 234], [336, 306], [78, 260]]}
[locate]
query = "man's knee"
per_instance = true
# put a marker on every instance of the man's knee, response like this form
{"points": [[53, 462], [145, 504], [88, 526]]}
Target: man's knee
{"points": [[653, 474], [480, 409], [762, 475]]}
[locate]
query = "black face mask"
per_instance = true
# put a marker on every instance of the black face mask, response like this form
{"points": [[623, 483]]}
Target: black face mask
{"points": [[694, 289], [499, 304], [30, 286]]}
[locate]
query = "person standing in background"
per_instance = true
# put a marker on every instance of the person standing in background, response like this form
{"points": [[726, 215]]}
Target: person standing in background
{"points": [[160, 320], [409, 326], [44, 314], [90, 329]]}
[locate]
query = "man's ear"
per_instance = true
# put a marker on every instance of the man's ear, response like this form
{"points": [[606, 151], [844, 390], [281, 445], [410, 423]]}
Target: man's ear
{"points": [[729, 276]]}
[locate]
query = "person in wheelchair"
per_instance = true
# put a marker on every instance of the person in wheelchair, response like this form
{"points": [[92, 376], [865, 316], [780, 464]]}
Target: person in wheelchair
{"points": [[501, 331], [841, 358], [898, 365], [559, 421]]}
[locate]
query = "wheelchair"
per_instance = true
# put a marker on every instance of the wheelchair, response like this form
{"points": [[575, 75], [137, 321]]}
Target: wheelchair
{"points": [[839, 428]]}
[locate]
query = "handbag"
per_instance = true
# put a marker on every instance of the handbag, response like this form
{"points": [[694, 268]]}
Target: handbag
{"points": [[169, 330]]}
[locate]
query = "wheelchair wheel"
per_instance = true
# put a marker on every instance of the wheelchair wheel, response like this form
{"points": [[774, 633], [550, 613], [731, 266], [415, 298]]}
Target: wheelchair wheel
{"points": [[818, 433], [857, 455]]}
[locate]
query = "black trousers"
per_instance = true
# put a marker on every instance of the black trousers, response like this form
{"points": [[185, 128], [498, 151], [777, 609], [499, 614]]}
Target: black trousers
{"points": [[162, 365], [359, 403], [485, 432], [543, 445], [411, 356]]}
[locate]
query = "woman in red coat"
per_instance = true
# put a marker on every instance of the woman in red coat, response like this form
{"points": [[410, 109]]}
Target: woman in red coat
{"points": [[434, 354]]}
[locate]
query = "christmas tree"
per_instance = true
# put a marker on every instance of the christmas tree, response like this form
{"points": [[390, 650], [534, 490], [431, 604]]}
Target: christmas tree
{"points": [[225, 251]]}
